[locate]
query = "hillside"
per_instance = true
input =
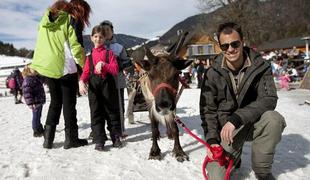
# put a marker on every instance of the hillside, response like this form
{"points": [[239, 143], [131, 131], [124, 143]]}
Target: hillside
{"points": [[261, 21], [126, 40]]}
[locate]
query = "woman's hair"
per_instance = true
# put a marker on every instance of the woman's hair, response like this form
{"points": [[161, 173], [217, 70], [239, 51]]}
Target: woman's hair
{"points": [[60, 5], [29, 72], [80, 11], [98, 29]]}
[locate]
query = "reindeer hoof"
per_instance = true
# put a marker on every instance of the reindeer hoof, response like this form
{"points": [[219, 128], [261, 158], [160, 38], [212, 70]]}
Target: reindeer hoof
{"points": [[157, 157], [155, 154], [181, 156]]}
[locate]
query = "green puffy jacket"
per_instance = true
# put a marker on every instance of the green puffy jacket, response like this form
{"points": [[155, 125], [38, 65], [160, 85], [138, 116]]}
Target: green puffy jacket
{"points": [[50, 54]]}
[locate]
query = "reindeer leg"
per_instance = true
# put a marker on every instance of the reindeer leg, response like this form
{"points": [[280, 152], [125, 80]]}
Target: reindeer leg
{"points": [[169, 132], [177, 151], [155, 150]]}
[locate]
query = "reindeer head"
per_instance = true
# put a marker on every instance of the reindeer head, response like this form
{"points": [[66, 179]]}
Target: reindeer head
{"points": [[163, 73]]}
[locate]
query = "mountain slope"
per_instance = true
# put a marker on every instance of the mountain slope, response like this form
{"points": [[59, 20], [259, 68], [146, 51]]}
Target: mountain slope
{"points": [[126, 40], [261, 21]]}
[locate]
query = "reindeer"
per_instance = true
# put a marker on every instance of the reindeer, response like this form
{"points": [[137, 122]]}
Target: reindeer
{"points": [[159, 87]]}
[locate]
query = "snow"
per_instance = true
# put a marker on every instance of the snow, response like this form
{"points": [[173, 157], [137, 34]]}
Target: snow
{"points": [[12, 60], [8, 63], [22, 156]]}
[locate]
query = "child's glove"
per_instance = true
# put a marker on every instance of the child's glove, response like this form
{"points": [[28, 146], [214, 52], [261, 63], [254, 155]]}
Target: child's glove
{"points": [[83, 87], [99, 67], [32, 106]]}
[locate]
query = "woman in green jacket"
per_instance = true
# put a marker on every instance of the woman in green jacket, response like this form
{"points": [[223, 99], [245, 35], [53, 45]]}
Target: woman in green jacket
{"points": [[58, 51]]}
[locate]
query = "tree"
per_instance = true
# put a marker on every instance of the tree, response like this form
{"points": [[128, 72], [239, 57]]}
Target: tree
{"points": [[263, 20], [9, 50]]}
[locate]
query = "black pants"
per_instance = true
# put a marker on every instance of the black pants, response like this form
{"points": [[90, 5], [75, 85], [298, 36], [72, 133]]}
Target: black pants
{"points": [[200, 78], [103, 103], [63, 93], [122, 99], [16, 92]]}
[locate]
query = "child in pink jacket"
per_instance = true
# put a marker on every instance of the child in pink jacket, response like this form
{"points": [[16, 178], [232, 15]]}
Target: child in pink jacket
{"points": [[284, 80], [100, 67]]}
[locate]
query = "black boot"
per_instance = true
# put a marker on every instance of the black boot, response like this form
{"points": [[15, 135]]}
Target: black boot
{"points": [[265, 177], [49, 134], [72, 139], [38, 132], [116, 141], [100, 146]]}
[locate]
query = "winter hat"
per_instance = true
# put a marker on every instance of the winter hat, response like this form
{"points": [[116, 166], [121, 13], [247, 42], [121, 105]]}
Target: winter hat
{"points": [[107, 22]]}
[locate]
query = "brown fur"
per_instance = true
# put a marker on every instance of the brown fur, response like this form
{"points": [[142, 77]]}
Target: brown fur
{"points": [[161, 69]]}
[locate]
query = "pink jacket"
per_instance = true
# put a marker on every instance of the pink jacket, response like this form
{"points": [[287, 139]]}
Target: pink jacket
{"points": [[99, 54]]}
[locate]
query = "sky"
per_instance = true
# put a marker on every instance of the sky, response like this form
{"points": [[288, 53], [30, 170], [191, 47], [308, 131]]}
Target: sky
{"points": [[141, 18]]}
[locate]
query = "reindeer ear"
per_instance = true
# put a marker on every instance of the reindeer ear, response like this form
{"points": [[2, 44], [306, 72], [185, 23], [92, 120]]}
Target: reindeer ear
{"points": [[146, 65], [150, 55], [181, 64], [138, 54]]}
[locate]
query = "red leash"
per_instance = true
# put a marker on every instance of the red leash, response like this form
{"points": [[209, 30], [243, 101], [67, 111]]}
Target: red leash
{"points": [[218, 153]]}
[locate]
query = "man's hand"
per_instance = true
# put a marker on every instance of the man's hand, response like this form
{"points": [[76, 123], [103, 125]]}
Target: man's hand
{"points": [[227, 133], [82, 88], [99, 67], [209, 153]]}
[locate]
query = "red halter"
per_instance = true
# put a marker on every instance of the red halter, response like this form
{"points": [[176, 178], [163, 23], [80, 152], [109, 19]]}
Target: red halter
{"points": [[160, 86]]}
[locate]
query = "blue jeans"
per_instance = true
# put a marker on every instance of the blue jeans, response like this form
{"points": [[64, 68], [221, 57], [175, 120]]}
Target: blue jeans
{"points": [[36, 117]]}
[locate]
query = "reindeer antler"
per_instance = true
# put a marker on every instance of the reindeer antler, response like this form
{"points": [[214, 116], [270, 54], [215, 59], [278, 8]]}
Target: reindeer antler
{"points": [[149, 54], [175, 48]]}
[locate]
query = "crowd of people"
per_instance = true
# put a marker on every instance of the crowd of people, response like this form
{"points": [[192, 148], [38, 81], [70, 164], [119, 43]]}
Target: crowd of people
{"points": [[287, 65], [237, 102]]}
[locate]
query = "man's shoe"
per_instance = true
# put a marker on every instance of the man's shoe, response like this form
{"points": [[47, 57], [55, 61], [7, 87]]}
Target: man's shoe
{"points": [[265, 177]]}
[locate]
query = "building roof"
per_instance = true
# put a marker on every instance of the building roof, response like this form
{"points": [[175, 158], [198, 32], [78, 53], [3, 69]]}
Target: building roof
{"points": [[282, 44]]}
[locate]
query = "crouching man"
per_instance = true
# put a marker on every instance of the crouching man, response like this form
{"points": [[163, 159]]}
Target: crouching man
{"points": [[237, 103]]}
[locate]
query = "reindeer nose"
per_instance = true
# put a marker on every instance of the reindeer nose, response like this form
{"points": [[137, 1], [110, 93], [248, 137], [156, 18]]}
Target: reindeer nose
{"points": [[165, 104]]}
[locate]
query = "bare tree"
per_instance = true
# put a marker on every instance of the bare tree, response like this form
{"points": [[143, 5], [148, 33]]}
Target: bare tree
{"points": [[239, 11], [260, 20], [211, 5]]}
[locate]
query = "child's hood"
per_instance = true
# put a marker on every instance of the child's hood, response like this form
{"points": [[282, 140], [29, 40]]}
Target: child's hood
{"points": [[54, 24]]}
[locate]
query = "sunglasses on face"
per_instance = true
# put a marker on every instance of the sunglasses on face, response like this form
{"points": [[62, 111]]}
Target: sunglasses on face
{"points": [[234, 44]]}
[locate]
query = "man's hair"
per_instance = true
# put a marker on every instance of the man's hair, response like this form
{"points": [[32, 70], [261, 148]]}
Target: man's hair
{"points": [[227, 28], [108, 23]]}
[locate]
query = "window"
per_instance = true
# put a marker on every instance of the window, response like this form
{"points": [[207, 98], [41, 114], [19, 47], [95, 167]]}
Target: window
{"points": [[200, 50]]}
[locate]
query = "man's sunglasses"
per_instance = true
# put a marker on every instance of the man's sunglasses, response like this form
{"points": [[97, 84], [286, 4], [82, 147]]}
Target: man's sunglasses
{"points": [[234, 44]]}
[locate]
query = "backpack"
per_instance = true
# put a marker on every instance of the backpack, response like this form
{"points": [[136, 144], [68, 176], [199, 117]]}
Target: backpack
{"points": [[10, 82]]}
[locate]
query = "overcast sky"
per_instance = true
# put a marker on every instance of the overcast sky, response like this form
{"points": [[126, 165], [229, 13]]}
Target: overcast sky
{"points": [[141, 18]]}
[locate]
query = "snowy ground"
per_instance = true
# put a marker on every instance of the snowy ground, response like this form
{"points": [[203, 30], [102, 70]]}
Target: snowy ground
{"points": [[22, 156]]}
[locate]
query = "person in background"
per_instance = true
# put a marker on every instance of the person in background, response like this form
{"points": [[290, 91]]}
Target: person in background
{"points": [[284, 80], [17, 87], [98, 72], [132, 89], [237, 102], [59, 48], [34, 96], [200, 71], [292, 72], [123, 62]]}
